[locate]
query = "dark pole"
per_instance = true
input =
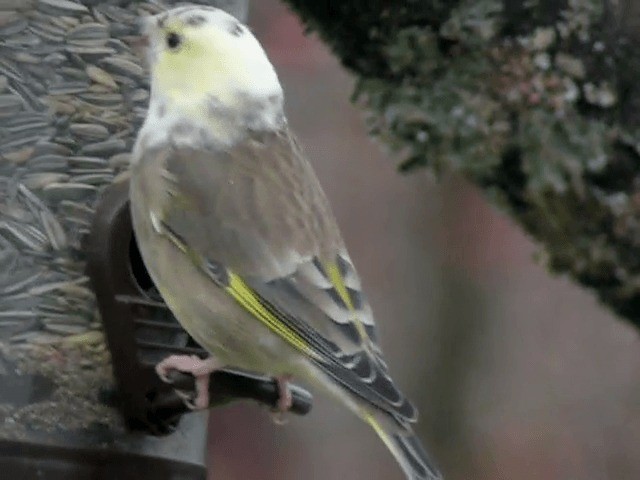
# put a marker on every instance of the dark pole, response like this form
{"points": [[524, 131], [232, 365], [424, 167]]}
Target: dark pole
{"points": [[72, 96]]}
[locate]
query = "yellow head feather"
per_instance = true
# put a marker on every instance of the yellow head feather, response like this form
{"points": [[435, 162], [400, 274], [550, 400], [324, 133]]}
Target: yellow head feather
{"points": [[208, 67], [207, 61]]}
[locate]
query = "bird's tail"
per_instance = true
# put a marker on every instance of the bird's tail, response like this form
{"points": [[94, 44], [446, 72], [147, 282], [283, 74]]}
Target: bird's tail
{"points": [[407, 450]]}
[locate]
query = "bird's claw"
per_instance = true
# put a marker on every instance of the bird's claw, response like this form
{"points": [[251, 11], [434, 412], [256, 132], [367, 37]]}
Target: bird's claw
{"points": [[200, 369]]}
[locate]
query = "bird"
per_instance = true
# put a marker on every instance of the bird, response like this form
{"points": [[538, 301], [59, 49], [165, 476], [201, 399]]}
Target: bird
{"points": [[238, 235]]}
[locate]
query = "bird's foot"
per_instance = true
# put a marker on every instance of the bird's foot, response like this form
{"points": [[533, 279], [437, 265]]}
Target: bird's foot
{"points": [[285, 399], [199, 368]]}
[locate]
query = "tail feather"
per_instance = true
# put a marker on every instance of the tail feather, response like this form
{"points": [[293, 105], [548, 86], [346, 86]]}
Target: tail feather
{"points": [[407, 450]]}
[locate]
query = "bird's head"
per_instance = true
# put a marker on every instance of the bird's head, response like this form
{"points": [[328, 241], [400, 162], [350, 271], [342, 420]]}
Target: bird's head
{"points": [[205, 62]]}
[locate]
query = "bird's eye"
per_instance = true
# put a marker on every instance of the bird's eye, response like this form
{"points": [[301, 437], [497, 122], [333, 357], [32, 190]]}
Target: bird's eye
{"points": [[173, 40]]}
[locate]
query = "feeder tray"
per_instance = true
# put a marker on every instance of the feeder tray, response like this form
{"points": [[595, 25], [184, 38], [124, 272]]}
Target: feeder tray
{"points": [[141, 331]]}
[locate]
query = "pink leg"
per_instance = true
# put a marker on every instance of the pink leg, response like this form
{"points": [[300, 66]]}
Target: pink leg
{"points": [[285, 399], [200, 369]]}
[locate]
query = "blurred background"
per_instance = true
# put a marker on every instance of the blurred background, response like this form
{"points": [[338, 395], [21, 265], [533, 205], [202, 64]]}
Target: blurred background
{"points": [[517, 374]]}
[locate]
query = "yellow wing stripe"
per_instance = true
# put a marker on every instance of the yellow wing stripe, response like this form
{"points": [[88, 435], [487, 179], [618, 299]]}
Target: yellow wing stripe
{"points": [[248, 299], [333, 272], [380, 431], [335, 277]]}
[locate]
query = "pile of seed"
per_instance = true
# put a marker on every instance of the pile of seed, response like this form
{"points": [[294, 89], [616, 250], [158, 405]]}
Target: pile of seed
{"points": [[72, 97]]}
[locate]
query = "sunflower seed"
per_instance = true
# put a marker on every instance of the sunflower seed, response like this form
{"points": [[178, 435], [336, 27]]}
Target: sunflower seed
{"points": [[88, 338], [36, 128], [79, 291], [61, 107], [36, 181], [7, 17], [102, 99], [76, 191], [37, 234], [30, 99], [30, 197], [68, 207], [89, 43], [68, 88], [23, 121], [66, 140], [9, 70], [16, 212], [47, 27], [91, 52], [70, 72], [37, 88], [54, 286], [97, 88], [23, 337], [19, 300], [20, 284], [100, 76], [50, 309], [52, 161], [21, 235], [45, 147], [11, 324], [10, 104], [56, 316], [23, 57], [90, 171], [68, 22], [27, 39], [11, 23], [106, 148], [18, 5], [19, 156], [16, 314], [123, 66], [44, 34], [65, 329], [53, 229], [21, 140], [69, 263], [118, 31], [126, 81], [88, 31], [54, 59], [56, 21], [94, 179], [117, 14], [88, 131], [87, 162], [61, 6]]}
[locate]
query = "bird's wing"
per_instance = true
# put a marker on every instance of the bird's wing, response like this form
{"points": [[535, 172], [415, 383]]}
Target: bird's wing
{"points": [[256, 220]]}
